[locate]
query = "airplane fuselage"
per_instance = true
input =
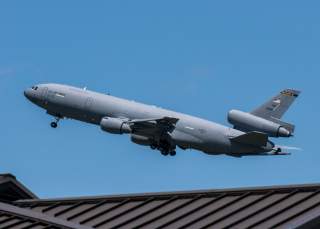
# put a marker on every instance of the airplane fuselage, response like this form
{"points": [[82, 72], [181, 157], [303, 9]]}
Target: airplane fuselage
{"points": [[91, 107]]}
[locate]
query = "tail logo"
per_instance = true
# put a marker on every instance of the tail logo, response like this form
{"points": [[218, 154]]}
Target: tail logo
{"points": [[275, 104], [289, 93]]}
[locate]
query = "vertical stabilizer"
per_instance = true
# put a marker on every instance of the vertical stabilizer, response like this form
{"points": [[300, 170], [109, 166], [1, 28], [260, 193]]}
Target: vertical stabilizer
{"points": [[277, 106]]}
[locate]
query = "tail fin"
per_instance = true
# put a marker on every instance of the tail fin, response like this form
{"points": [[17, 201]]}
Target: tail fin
{"points": [[275, 108]]}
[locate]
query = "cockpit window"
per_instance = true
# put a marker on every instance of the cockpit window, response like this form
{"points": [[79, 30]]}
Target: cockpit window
{"points": [[34, 88]]}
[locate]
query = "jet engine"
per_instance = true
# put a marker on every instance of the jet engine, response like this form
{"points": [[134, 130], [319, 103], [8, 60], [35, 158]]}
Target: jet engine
{"points": [[115, 125], [140, 140], [248, 122]]}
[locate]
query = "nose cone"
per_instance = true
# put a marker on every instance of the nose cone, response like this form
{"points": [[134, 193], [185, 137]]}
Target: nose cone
{"points": [[28, 93], [31, 95]]}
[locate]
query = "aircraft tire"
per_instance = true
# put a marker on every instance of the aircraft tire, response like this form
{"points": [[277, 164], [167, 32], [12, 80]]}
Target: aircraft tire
{"points": [[54, 125], [173, 153], [165, 153]]}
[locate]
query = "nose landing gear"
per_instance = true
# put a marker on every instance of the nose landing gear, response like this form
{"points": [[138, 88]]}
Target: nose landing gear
{"points": [[55, 123]]}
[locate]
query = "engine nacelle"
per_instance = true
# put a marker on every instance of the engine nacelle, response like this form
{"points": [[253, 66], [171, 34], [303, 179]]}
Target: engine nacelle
{"points": [[251, 122], [114, 125], [140, 140]]}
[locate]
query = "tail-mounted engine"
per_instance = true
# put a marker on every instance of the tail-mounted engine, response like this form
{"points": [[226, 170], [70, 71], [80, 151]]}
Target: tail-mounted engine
{"points": [[248, 122]]}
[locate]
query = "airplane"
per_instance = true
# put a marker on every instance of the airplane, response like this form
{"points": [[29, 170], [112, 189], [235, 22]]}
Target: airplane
{"points": [[165, 130]]}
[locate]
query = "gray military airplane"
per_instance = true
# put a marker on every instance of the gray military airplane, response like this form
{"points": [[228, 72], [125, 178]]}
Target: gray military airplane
{"points": [[164, 130]]}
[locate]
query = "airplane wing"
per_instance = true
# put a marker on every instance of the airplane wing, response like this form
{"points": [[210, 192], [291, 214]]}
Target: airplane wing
{"points": [[157, 126]]}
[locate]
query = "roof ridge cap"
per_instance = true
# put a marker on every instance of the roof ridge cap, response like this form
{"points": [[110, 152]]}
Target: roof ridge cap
{"points": [[8, 175], [180, 193]]}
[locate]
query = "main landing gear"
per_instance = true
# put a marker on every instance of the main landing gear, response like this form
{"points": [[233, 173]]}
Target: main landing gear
{"points": [[171, 153], [165, 149], [55, 123]]}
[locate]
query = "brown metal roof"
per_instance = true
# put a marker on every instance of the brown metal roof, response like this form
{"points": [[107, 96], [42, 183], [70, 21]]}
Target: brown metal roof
{"points": [[15, 217], [267, 207], [11, 189]]}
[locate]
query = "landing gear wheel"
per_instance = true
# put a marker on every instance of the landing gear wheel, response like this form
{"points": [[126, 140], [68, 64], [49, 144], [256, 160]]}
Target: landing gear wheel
{"points": [[165, 153], [173, 153], [54, 125], [278, 151], [153, 146]]}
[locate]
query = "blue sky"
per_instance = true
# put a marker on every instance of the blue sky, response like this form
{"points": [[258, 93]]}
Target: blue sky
{"points": [[198, 57]]}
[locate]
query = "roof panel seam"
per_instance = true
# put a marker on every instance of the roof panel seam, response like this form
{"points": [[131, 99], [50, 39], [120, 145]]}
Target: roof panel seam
{"points": [[238, 210], [51, 207], [215, 210], [148, 212], [173, 210], [288, 195], [123, 213], [87, 210], [68, 209], [104, 212], [194, 210], [17, 223], [298, 214], [284, 209], [156, 217]]}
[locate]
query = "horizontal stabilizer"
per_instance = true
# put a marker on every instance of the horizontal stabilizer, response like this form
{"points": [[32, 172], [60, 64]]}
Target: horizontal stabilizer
{"points": [[252, 138]]}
